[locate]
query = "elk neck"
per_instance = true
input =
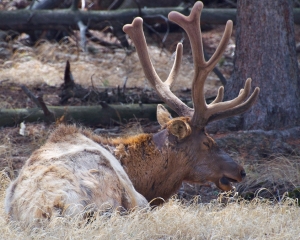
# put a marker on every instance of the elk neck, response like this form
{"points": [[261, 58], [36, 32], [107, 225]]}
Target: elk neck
{"points": [[152, 162]]}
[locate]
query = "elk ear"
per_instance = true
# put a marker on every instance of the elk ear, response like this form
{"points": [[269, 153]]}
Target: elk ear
{"points": [[163, 116], [179, 128]]}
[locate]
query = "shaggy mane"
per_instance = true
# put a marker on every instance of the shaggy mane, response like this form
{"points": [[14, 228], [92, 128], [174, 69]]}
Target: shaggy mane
{"points": [[62, 132]]}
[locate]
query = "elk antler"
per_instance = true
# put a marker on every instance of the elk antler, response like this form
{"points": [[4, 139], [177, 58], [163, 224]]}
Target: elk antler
{"points": [[135, 31], [202, 112]]}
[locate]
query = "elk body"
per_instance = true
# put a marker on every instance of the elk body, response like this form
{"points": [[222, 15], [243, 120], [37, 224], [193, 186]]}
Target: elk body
{"points": [[77, 170]]}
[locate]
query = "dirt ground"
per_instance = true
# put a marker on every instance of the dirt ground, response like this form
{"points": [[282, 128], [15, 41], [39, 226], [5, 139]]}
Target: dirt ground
{"points": [[41, 69]]}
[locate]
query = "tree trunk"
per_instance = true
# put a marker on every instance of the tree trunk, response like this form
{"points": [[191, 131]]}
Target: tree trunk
{"points": [[266, 52]]}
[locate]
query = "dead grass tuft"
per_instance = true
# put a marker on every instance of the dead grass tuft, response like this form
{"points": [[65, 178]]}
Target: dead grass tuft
{"points": [[235, 219], [271, 178], [238, 219], [15, 148]]}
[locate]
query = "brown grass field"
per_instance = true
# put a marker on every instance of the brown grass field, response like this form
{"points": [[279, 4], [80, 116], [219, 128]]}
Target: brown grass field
{"points": [[238, 219], [271, 214]]}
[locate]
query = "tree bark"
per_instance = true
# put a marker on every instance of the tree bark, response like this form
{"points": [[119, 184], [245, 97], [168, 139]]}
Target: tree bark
{"points": [[266, 52]]}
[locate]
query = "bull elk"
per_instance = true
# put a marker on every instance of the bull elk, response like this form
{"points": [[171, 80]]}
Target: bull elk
{"points": [[77, 170]]}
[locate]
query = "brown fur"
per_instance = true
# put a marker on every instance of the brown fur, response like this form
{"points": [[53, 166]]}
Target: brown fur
{"points": [[67, 175]]}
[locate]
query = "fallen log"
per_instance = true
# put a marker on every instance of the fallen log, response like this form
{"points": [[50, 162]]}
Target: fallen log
{"points": [[64, 19], [88, 115]]}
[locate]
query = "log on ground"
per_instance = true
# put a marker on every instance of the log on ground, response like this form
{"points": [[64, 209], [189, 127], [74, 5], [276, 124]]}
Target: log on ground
{"points": [[87, 115]]}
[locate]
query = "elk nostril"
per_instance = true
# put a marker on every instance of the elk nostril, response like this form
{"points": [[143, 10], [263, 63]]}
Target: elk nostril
{"points": [[243, 173]]}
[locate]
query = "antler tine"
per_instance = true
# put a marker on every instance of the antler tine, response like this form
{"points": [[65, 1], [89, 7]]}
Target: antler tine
{"points": [[223, 106], [219, 97], [135, 31], [215, 58], [241, 108], [191, 24], [176, 66]]}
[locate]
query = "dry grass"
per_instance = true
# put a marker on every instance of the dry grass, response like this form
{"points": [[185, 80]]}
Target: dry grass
{"points": [[272, 178], [99, 67], [258, 219], [15, 148]]}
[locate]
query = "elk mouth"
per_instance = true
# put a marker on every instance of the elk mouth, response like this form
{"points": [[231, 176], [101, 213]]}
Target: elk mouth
{"points": [[224, 183]]}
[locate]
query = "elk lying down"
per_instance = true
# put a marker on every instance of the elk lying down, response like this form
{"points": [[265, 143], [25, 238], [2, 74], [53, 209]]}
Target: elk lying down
{"points": [[76, 169]]}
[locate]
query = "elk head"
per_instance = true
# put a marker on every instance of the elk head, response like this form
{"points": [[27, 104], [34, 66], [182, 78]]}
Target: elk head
{"points": [[205, 161]]}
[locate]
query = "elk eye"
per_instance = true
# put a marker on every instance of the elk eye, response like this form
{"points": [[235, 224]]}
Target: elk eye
{"points": [[206, 144]]}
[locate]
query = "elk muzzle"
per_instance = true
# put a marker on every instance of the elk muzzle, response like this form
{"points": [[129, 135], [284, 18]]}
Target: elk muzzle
{"points": [[225, 182]]}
